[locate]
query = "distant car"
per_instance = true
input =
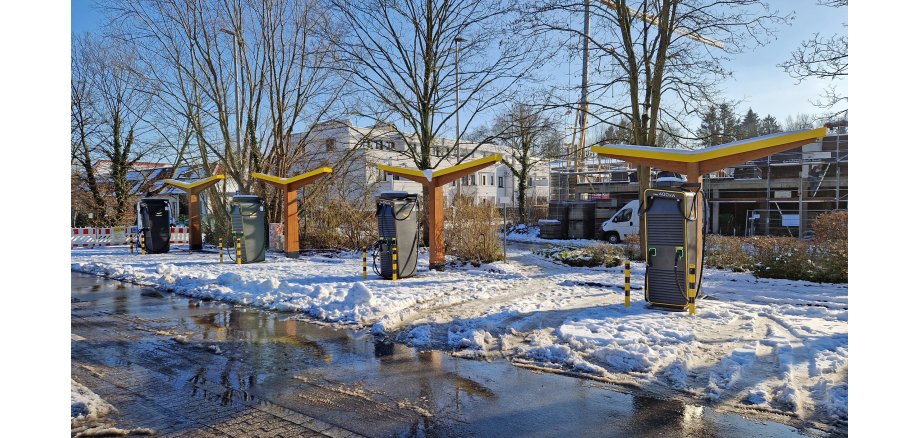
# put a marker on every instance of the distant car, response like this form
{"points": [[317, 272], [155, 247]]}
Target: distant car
{"points": [[666, 176], [624, 222]]}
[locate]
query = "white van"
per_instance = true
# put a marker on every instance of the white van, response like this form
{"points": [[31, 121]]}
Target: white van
{"points": [[624, 222]]}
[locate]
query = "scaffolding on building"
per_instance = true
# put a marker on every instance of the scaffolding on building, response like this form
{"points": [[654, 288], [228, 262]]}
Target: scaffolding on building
{"points": [[759, 195]]}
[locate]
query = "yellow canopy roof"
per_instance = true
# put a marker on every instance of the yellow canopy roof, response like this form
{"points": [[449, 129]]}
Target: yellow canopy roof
{"points": [[293, 179], [195, 184], [713, 152], [448, 173]]}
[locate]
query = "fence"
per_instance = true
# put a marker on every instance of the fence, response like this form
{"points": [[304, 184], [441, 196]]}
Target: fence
{"points": [[88, 237], [780, 223]]}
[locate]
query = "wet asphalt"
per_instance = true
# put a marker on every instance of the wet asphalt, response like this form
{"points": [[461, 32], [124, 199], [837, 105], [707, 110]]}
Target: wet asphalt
{"points": [[185, 367]]}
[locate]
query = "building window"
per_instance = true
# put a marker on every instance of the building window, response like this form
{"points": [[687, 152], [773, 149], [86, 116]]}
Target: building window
{"points": [[330, 144], [378, 144], [483, 180], [501, 182], [530, 182], [491, 180], [391, 145]]}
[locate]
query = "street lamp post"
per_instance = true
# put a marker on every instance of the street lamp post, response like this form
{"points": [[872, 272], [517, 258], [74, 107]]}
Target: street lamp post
{"points": [[457, 42], [236, 90]]}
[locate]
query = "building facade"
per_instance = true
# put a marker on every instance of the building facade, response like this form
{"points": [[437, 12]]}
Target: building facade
{"points": [[777, 195], [354, 152]]}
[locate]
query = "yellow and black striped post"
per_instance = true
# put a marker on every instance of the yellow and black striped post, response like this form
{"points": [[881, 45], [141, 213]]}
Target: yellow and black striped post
{"points": [[220, 248], [395, 260], [239, 252], [143, 244], [626, 283], [691, 289], [364, 263], [131, 241]]}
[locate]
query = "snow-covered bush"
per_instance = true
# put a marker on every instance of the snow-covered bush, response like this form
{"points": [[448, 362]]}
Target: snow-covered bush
{"points": [[782, 257], [831, 226], [601, 254], [632, 249], [728, 252]]}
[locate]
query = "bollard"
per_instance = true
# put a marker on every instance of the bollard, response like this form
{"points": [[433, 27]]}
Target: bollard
{"points": [[691, 290], [364, 263], [131, 241], [626, 285], [239, 252], [220, 248], [143, 244], [395, 262]]}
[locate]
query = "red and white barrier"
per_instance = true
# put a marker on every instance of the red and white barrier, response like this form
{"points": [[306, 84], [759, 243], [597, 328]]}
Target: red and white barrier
{"points": [[82, 237], [178, 234], [88, 237]]}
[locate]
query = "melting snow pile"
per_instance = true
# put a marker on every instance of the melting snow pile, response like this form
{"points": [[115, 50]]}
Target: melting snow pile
{"points": [[778, 345]]}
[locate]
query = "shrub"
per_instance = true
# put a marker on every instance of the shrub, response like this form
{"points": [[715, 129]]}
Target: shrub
{"points": [[602, 254], [831, 226], [782, 257], [471, 231], [632, 249], [727, 252], [832, 262]]}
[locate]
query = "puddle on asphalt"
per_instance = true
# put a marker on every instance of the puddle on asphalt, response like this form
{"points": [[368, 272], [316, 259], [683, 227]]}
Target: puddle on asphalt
{"points": [[349, 378]]}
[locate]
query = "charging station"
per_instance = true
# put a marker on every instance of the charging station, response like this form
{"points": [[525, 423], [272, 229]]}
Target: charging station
{"points": [[673, 224], [671, 219], [250, 226], [153, 218], [397, 217]]}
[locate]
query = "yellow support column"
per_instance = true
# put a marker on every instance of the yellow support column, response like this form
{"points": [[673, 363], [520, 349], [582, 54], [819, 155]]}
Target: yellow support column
{"points": [[143, 244], [626, 284], [220, 248], [364, 263], [239, 252]]}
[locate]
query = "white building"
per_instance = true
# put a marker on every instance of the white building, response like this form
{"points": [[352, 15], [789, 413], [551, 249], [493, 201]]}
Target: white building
{"points": [[355, 152]]}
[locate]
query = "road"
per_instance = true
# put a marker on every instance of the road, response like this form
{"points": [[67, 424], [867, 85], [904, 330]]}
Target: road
{"points": [[183, 367]]}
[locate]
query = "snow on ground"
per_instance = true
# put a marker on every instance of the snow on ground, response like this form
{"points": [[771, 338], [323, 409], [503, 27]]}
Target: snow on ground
{"points": [[85, 404], [776, 346]]}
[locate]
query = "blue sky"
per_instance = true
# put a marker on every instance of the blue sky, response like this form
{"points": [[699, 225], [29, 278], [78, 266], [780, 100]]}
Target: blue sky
{"points": [[757, 81]]}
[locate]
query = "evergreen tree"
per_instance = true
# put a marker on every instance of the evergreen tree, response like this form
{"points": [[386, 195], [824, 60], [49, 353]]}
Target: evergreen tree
{"points": [[750, 125], [729, 124], [709, 129], [769, 125], [621, 133]]}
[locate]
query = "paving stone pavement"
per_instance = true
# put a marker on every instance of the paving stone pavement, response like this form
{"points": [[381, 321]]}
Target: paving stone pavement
{"points": [[148, 396]]}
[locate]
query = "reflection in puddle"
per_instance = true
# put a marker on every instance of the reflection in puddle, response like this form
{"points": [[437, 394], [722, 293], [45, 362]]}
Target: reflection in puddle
{"points": [[378, 388]]}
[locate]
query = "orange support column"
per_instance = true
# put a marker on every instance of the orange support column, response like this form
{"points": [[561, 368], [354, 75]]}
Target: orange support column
{"points": [[434, 205], [194, 222], [435, 209], [193, 189], [291, 225], [290, 187]]}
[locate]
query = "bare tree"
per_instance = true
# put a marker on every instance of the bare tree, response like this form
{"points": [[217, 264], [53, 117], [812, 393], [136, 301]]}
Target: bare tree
{"points": [[84, 125], [108, 110], [424, 64], [527, 133], [405, 56], [241, 77], [661, 60], [821, 57]]}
